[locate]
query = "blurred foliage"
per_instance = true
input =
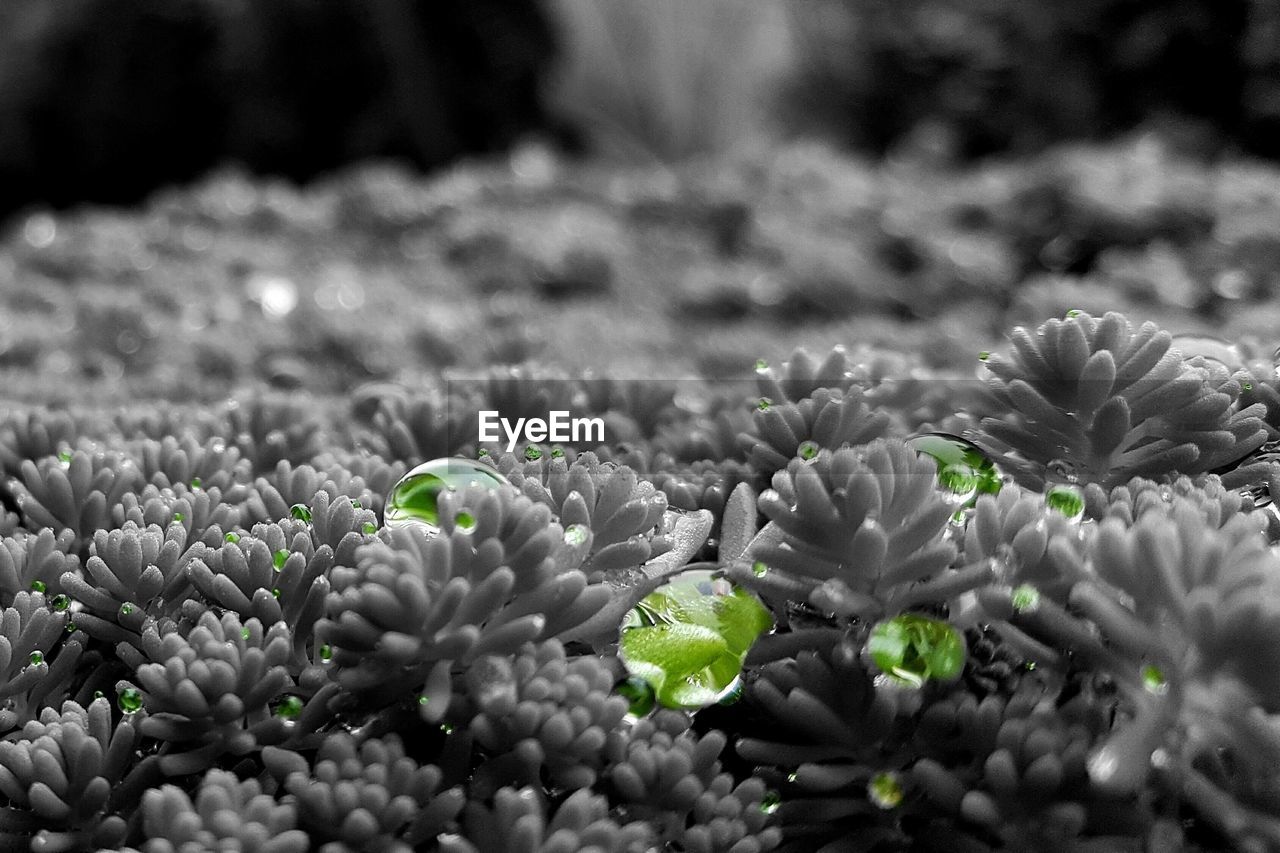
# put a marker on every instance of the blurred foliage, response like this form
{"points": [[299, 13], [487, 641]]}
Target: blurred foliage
{"points": [[107, 99], [972, 78]]}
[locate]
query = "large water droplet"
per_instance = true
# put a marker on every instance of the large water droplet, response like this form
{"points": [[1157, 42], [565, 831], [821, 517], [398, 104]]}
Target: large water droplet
{"points": [[910, 649], [414, 499], [1210, 347], [964, 470], [1066, 499], [688, 638]]}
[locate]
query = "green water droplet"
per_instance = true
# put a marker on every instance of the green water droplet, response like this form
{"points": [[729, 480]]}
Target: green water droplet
{"points": [[771, 802], [808, 450], [1066, 499], [279, 558], [984, 356], [639, 695], [355, 504], [61, 602], [326, 652], [178, 518], [275, 593], [130, 700], [369, 528], [885, 790], [413, 500], [1248, 386], [446, 728], [1154, 681], [575, 534], [688, 638], [423, 700], [288, 707], [761, 364], [64, 456], [759, 568], [963, 469], [195, 482], [763, 404], [98, 694], [1025, 598], [232, 536], [793, 776], [1073, 313], [38, 586], [464, 521], [532, 453], [911, 649], [244, 633], [301, 512], [126, 609], [71, 628], [557, 452], [482, 453], [36, 658]]}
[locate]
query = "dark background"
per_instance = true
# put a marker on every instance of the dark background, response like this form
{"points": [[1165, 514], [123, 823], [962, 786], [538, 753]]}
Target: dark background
{"points": [[104, 100]]}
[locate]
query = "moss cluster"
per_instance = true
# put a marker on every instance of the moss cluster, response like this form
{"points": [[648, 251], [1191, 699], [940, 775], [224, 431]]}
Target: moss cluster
{"points": [[209, 638]]}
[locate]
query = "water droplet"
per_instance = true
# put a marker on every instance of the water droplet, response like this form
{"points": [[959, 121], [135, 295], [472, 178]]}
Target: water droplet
{"points": [[910, 649], [277, 295], [413, 499], [1073, 313], [126, 609], [288, 707], [39, 230], [963, 469], [793, 776], [423, 700], [36, 658], [130, 700], [464, 521], [763, 404], [575, 534], [275, 593], [885, 790], [771, 803], [232, 536], [688, 638], [279, 558], [638, 693], [761, 365], [301, 512], [557, 452], [984, 356], [446, 728], [1062, 471], [369, 528], [1025, 598], [38, 586], [195, 482], [98, 694], [244, 633], [1154, 681], [71, 628], [759, 568], [1224, 352], [326, 652], [532, 453], [178, 518], [65, 457], [1066, 499], [61, 602], [808, 450]]}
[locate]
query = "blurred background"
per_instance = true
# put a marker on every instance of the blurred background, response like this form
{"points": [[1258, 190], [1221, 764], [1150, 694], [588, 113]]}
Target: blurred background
{"points": [[639, 186]]}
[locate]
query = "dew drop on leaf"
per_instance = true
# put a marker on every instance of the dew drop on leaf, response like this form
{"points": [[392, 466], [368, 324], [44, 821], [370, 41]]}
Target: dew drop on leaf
{"points": [[414, 500]]}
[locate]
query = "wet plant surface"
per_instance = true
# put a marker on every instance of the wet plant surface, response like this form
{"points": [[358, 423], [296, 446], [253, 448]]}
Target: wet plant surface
{"points": [[902, 540]]}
